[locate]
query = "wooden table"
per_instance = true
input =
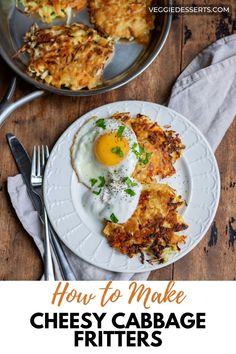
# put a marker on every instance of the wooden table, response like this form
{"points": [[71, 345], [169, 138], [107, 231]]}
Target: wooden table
{"points": [[44, 120]]}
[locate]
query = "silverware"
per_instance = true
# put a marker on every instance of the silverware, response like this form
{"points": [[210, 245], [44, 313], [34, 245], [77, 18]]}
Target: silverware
{"points": [[39, 159], [23, 163], [24, 166]]}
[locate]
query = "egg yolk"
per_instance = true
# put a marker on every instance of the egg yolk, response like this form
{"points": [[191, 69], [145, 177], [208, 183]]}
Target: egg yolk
{"points": [[110, 149]]}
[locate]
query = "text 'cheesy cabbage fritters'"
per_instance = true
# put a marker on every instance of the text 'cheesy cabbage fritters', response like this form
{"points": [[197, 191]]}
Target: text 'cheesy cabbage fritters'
{"points": [[158, 149], [123, 19], [72, 56], [48, 10], [153, 226]]}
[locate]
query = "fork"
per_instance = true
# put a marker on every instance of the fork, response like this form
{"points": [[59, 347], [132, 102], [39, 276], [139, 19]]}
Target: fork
{"points": [[37, 169], [39, 160]]}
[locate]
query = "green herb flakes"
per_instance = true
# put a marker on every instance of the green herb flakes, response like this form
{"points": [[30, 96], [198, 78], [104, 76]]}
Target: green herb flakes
{"points": [[120, 131], [97, 192], [102, 181], [141, 154], [93, 181], [117, 150], [129, 182], [130, 192], [101, 123], [114, 218]]}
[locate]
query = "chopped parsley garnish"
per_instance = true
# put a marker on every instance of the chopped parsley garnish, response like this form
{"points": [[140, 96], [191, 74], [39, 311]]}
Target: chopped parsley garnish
{"points": [[130, 192], [120, 131], [93, 181], [114, 218], [102, 181], [97, 192], [141, 150], [146, 159], [101, 123], [137, 153], [140, 153], [117, 150], [129, 182]]}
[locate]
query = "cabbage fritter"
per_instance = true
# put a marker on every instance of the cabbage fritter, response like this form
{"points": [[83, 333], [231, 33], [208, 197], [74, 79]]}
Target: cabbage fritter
{"points": [[122, 19], [71, 57], [153, 226], [49, 10], [157, 151]]}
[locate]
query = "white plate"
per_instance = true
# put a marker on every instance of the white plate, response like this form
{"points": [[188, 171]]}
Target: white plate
{"points": [[197, 180]]}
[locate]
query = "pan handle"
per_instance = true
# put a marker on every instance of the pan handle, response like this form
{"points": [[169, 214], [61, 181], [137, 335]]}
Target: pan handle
{"points": [[7, 107], [9, 92]]}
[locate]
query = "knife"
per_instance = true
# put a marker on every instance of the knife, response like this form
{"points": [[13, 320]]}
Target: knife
{"points": [[24, 166], [23, 163]]}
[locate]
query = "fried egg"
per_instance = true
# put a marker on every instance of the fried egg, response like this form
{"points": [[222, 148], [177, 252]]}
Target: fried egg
{"points": [[103, 159]]}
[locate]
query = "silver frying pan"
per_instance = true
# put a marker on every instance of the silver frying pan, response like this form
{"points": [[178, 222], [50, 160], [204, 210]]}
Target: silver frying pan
{"points": [[130, 58]]}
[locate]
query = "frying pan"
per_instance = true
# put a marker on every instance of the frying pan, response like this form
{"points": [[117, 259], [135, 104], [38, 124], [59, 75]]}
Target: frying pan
{"points": [[130, 58]]}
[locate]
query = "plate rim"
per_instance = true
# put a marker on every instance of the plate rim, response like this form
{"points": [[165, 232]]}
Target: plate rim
{"points": [[218, 183]]}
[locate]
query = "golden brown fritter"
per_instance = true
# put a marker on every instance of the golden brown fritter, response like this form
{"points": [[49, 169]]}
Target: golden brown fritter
{"points": [[48, 10], [157, 151], [153, 226], [71, 57], [123, 19]]}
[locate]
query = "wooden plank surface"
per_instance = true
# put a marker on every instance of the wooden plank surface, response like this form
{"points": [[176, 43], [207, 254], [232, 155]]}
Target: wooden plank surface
{"points": [[44, 120]]}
